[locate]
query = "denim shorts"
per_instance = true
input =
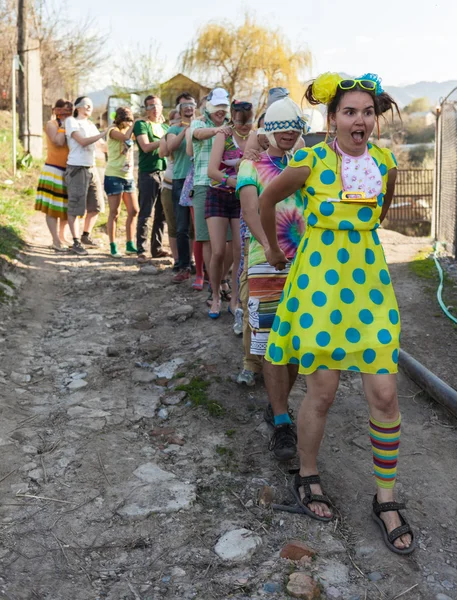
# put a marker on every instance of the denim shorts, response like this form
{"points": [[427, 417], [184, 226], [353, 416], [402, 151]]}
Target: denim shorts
{"points": [[118, 185]]}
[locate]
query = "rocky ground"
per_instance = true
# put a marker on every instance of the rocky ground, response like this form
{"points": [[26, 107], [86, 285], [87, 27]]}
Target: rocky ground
{"points": [[135, 468]]}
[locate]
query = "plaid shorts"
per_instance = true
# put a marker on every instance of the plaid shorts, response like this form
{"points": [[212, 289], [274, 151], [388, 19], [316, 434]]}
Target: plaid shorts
{"points": [[222, 203]]}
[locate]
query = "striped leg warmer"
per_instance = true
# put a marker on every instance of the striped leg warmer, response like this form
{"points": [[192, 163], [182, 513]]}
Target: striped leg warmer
{"points": [[385, 440]]}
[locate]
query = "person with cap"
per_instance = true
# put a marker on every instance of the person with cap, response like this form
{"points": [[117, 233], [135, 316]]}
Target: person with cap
{"points": [[203, 131], [176, 144], [85, 196], [148, 133], [283, 126]]}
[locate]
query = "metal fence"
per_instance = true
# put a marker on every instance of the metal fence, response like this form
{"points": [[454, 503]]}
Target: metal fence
{"points": [[444, 222], [411, 208]]}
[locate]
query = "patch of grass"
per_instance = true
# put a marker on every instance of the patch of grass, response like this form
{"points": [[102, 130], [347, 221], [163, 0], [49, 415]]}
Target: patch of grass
{"points": [[223, 451], [197, 392], [179, 375], [16, 199], [423, 265], [230, 432]]}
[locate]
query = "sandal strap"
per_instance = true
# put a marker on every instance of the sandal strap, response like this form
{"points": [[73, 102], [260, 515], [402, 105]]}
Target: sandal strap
{"points": [[398, 532], [306, 483], [309, 480], [380, 507], [320, 498]]}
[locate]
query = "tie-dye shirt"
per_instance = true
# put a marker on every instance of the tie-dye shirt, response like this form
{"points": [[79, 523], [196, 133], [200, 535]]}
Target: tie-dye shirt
{"points": [[290, 223]]}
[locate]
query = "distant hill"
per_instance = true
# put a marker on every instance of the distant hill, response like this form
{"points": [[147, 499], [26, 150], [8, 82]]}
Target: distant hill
{"points": [[433, 90]]}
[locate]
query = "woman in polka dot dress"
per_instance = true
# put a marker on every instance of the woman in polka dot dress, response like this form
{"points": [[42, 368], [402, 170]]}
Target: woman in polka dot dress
{"points": [[338, 311]]}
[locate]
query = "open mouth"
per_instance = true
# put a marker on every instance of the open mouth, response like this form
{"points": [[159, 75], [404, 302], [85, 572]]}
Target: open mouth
{"points": [[358, 136]]}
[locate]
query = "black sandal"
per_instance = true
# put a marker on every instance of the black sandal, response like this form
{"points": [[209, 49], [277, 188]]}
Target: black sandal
{"points": [[226, 294], [389, 538], [309, 497]]}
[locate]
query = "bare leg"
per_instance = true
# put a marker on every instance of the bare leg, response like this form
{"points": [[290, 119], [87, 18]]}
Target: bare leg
{"points": [[114, 202], [73, 223], [51, 222], [89, 222], [312, 416], [279, 380], [217, 227], [131, 204], [236, 247], [381, 394], [63, 226]]}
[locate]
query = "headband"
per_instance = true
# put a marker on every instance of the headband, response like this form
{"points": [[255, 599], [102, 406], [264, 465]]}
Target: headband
{"points": [[326, 85], [82, 104]]}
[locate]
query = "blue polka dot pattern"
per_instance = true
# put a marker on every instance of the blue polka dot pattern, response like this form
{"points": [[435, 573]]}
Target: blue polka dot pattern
{"points": [[272, 351], [305, 245], [321, 152], [284, 329], [380, 199], [365, 214], [319, 299], [282, 296], [394, 316], [326, 209], [352, 335], [276, 322], [292, 304], [306, 320], [376, 297], [338, 354], [336, 317], [354, 237], [332, 277], [307, 360], [342, 255], [303, 281], [352, 368], [347, 296], [395, 356], [314, 161], [315, 259], [305, 202], [322, 368], [369, 256], [375, 238], [300, 155], [382, 371], [328, 177], [323, 339], [345, 225], [312, 219], [369, 356], [296, 342], [366, 316], [384, 336], [383, 169], [279, 353], [328, 237], [288, 289], [358, 275], [294, 361], [384, 277], [311, 191]]}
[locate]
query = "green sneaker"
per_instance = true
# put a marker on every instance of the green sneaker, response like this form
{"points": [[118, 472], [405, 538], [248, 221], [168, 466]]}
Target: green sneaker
{"points": [[114, 251], [130, 248]]}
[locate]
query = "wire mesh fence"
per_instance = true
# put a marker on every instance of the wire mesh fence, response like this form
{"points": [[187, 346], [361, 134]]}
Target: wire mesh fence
{"points": [[445, 191], [411, 208]]}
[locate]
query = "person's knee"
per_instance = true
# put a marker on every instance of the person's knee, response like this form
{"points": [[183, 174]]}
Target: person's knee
{"points": [[133, 212], [218, 255], [323, 399], [384, 400]]}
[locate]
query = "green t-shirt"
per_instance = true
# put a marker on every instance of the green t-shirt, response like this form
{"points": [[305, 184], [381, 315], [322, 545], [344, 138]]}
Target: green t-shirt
{"points": [[180, 156], [148, 162]]}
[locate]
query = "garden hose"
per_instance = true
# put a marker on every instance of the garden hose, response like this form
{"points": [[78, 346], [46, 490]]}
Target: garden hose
{"points": [[440, 287]]}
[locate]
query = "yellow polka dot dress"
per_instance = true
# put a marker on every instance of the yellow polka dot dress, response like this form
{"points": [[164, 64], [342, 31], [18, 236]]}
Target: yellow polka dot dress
{"points": [[338, 309]]}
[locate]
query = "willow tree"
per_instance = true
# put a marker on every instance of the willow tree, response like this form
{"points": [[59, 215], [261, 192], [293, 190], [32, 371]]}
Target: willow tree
{"points": [[247, 59]]}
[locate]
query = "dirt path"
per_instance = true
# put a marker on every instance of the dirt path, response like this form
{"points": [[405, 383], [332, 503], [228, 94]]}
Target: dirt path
{"points": [[108, 493]]}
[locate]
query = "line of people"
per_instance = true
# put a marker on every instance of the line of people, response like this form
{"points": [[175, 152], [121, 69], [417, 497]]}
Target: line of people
{"points": [[296, 225]]}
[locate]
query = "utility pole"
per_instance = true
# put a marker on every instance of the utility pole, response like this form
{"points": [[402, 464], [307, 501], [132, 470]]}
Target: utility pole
{"points": [[22, 47]]}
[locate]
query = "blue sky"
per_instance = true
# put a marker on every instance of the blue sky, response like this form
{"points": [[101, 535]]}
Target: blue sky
{"points": [[404, 41]]}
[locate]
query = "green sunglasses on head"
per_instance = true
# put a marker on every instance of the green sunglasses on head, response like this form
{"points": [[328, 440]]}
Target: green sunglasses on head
{"points": [[366, 84]]}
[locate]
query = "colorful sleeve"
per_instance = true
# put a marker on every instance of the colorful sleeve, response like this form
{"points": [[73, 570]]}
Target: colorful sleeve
{"points": [[304, 157], [247, 175], [389, 158]]}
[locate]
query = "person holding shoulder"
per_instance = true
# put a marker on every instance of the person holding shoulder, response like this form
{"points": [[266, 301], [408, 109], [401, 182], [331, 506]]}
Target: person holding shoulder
{"points": [[339, 311], [148, 133], [119, 184], [222, 206], [51, 195], [85, 196]]}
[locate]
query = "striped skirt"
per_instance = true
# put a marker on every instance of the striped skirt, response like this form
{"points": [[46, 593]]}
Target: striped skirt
{"points": [[51, 195], [265, 290]]}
